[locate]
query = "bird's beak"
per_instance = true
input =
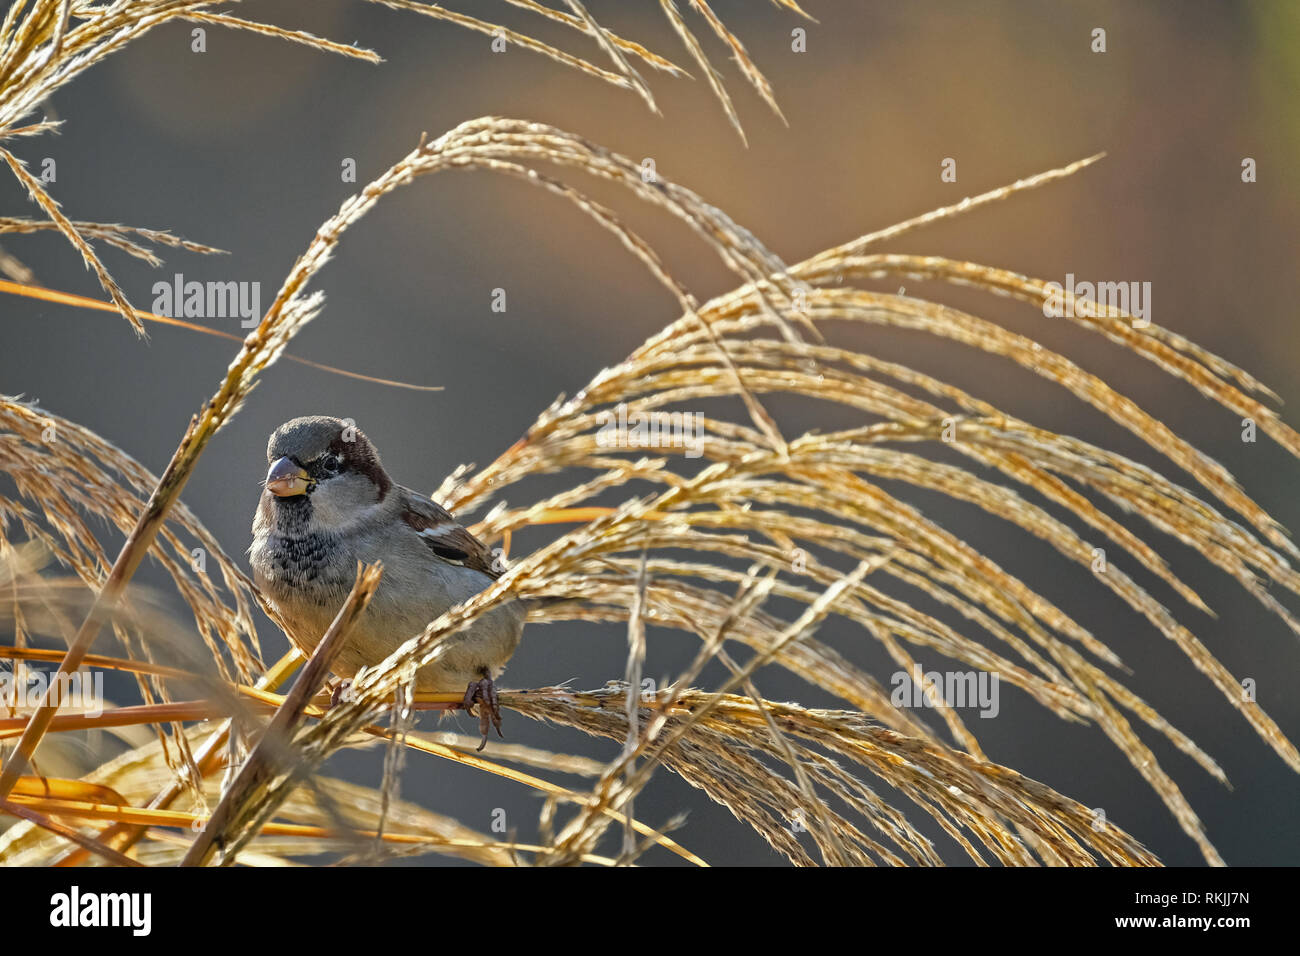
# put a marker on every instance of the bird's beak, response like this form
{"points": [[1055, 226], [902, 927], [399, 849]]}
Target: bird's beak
{"points": [[286, 479]]}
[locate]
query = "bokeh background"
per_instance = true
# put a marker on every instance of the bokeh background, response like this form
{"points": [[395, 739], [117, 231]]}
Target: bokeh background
{"points": [[241, 147]]}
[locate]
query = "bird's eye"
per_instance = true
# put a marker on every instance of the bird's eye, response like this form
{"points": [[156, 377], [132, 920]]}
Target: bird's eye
{"points": [[330, 464]]}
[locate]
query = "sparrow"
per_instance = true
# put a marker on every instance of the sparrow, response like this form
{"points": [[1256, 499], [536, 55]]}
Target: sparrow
{"points": [[327, 504]]}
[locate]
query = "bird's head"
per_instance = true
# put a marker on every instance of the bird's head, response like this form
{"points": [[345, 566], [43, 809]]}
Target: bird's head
{"points": [[327, 464]]}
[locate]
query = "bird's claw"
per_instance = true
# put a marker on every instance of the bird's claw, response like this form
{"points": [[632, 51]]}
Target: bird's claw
{"points": [[484, 693], [342, 691]]}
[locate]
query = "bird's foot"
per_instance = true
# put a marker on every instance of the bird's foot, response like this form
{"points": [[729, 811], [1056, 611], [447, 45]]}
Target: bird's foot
{"points": [[484, 693], [341, 691]]}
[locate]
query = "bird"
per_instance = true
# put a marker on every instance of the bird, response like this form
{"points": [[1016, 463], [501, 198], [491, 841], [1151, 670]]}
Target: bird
{"points": [[328, 503]]}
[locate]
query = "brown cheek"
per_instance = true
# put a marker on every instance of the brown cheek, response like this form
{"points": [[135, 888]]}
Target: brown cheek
{"points": [[381, 482], [358, 458]]}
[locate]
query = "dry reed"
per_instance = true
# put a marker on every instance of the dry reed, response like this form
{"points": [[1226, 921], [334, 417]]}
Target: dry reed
{"points": [[764, 515]]}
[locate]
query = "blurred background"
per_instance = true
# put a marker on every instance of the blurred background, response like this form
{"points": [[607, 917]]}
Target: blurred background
{"points": [[241, 147]]}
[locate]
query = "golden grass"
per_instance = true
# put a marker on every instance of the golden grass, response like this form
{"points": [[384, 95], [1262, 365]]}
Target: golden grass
{"points": [[47, 43], [813, 493], [702, 546]]}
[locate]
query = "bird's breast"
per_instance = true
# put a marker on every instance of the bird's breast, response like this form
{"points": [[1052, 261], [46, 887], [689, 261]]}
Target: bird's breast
{"points": [[310, 565]]}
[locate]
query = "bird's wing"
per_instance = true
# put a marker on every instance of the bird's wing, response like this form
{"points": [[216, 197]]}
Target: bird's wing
{"points": [[445, 536]]}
